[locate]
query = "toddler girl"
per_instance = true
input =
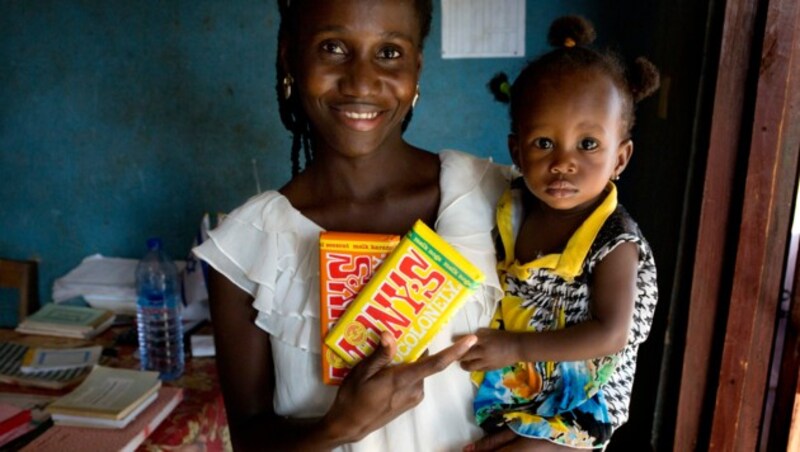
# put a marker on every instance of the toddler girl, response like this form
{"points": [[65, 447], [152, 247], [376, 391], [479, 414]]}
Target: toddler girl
{"points": [[579, 277]]}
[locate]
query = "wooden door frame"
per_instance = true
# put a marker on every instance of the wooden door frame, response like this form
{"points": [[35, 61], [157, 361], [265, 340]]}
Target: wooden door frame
{"points": [[760, 47]]}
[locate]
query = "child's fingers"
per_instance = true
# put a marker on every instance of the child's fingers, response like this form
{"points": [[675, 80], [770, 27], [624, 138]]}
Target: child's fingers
{"points": [[469, 355], [472, 365], [492, 442], [459, 337]]}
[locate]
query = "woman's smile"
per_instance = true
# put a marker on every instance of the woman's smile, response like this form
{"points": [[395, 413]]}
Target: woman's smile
{"points": [[360, 118]]}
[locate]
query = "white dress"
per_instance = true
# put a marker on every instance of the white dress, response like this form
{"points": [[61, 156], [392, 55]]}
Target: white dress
{"points": [[270, 250]]}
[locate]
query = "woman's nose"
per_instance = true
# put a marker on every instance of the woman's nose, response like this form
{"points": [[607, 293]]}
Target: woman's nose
{"points": [[360, 78]]}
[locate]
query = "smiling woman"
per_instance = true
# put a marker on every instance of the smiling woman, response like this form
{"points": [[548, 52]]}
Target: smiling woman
{"points": [[359, 72], [355, 67], [348, 75]]}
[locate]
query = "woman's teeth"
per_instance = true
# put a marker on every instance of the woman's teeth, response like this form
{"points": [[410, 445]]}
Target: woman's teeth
{"points": [[353, 115]]}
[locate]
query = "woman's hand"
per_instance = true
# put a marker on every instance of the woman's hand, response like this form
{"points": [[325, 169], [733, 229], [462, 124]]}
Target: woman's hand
{"points": [[375, 391], [493, 350]]}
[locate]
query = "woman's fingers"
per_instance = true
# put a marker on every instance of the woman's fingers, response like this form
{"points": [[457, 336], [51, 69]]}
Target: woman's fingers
{"points": [[432, 364], [373, 363], [377, 392]]}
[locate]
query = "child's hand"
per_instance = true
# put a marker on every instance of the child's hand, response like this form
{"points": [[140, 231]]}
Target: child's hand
{"points": [[507, 440], [494, 349]]}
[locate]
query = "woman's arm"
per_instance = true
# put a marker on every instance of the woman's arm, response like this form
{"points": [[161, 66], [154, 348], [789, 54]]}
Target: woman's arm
{"points": [[373, 394], [613, 292], [244, 364]]}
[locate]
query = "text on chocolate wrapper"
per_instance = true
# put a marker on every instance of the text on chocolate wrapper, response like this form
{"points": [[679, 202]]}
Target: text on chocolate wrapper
{"points": [[415, 289]]}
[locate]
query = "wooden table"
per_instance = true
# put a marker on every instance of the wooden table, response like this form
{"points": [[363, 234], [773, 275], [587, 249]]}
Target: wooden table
{"points": [[198, 422]]}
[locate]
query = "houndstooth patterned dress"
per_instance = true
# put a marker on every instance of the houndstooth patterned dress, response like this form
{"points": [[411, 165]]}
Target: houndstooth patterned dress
{"points": [[572, 403]]}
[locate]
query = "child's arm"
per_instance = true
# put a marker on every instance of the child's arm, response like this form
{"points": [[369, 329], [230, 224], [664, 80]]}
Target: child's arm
{"points": [[613, 291]]}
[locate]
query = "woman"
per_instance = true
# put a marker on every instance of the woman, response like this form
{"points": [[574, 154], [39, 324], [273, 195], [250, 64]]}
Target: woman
{"points": [[348, 76]]}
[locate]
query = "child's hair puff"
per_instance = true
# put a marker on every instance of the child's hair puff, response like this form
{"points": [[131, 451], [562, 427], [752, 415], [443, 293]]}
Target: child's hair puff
{"points": [[644, 79], [568, 31], [571, 37]]}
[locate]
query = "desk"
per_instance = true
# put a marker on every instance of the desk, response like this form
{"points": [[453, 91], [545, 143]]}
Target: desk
{"points": [[199, 420]]}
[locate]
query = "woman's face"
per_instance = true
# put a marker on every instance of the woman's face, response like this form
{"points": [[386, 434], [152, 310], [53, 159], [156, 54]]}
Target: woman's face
{"points": [[356, 64]]}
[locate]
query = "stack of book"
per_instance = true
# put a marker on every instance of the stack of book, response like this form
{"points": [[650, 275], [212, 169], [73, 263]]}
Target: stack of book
{"points": [[22, 418], [124, 393], [67, 321], [12, 417], [107, 398]]}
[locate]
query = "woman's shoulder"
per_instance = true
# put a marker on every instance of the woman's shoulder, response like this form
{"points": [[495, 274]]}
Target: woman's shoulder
{"points": [[462, 172], [268, 210], [460, 161], [250, 242]]}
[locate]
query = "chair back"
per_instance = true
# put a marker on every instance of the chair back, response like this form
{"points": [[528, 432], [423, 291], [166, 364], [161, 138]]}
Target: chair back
{"points": [[22, 277]]}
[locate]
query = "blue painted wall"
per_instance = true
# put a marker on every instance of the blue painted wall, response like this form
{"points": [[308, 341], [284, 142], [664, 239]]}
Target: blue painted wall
{"points": [[122, 120]]}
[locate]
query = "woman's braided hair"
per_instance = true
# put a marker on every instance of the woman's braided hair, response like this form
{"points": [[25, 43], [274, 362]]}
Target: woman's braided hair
{"points": [[292, 115], [571, 35]]}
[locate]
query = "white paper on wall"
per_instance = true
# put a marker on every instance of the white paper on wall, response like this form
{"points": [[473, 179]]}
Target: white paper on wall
{"points": [[483, 28]]}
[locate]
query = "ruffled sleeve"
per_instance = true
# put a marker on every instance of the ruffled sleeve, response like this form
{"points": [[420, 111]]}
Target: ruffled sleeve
{"points": [[270, 251], [471, 188]]}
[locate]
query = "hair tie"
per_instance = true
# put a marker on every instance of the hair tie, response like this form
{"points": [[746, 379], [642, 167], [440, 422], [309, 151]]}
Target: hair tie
{"points": [[505, 88], [569, 42]]}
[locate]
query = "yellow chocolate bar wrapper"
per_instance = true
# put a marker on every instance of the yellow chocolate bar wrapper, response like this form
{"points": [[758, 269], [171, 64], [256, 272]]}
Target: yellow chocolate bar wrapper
{"points": [[347, 260], [415, 292]]}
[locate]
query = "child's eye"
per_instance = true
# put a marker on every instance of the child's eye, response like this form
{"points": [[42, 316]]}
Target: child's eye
{"points": [[543, 143], [588, 144], [332, 47], [389, 53]]}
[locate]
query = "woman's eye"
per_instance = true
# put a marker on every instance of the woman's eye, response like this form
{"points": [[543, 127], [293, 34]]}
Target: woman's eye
{"points": [[389, 53], [543, 143], [332, 47], [588, 144]]}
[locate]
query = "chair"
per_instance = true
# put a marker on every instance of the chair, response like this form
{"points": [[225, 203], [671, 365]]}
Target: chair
{"points": [[22, 277]]}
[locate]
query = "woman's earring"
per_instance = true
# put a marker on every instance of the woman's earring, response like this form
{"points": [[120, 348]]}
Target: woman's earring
{"points": [[287, 86], [416, 97], [615, 177]]}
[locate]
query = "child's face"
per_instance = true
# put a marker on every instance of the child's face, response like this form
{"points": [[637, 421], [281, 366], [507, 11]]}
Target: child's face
{"points": [[356, 69], [569, 140]]}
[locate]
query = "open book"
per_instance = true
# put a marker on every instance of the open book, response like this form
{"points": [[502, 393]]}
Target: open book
{"points": [[11, 357]]}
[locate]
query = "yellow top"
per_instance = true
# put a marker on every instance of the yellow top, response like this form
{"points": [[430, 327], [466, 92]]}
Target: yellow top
{"points": [[569, 263]]}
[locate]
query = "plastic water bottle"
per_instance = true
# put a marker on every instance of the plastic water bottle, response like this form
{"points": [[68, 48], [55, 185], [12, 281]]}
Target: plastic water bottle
{"points": [[158, 317]]}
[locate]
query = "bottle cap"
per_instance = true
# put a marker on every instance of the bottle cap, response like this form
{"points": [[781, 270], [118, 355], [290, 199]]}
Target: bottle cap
{"points": [[154, 243]]}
